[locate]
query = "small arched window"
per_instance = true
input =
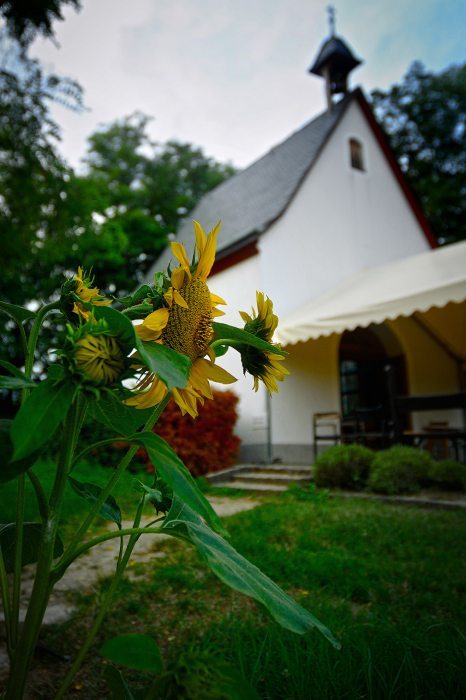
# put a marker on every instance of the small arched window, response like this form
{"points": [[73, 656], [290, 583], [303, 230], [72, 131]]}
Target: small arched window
{"points": [[356, 154]]}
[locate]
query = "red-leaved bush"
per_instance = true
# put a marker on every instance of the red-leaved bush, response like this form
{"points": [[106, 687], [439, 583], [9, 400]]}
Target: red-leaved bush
{"points": [[205, 444]]}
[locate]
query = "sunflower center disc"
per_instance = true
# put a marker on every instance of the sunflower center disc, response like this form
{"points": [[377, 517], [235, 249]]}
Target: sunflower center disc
{"points": [[189, 331]]}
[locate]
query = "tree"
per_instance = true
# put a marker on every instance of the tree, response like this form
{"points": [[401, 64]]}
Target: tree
{"points": [[145, 189], [27, 18], [424, 118]]}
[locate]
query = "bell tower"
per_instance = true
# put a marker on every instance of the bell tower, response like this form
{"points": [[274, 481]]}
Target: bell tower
{"points": [[334, 62]]}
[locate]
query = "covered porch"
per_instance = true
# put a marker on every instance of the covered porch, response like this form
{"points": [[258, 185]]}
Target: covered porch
{"points": [[398, 330]]}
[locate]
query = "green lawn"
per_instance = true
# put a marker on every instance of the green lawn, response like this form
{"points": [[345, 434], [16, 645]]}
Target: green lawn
{"points": [[388, 581]]}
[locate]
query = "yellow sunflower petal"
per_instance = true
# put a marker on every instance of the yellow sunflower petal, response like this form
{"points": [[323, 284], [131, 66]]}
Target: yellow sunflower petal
{"points": [[179, 299], [177, 277], [198, 378], [179, 251], [216, 373], [153, 325], [217, 312], [207, 258], [216, 299], [149, 398], [200, 238], [246, 317], [186, 400]]}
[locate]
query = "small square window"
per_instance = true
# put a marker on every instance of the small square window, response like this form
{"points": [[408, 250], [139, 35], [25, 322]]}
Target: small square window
{"points": [[356, 154]]}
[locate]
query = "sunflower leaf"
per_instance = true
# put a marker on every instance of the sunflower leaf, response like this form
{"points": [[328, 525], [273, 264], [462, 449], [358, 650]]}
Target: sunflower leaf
{"points": [[172, 470], [172, 367], [118, 323], [110, 510], [238, 573], [18, 313], [10, 470], [111, 412], [39, 416], [32, 535], [117, 684], [229, 335]]}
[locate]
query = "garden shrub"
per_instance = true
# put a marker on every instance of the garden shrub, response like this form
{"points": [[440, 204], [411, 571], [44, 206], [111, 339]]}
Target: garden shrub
{"points": [[206, 444], [343, 466], [448, 474], [399, 470]]}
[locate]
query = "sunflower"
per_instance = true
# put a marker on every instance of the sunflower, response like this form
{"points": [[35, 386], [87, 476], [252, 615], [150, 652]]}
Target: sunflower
{"points": [[262, 365], [185, 325], [86, 294]]}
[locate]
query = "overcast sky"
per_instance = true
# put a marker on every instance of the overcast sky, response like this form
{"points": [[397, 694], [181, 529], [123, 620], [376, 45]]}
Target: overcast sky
{"points": [[231, 75]]}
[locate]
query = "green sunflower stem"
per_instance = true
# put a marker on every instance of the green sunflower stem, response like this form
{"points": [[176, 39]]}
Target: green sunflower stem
{"points": [[15, 601], [24, 650], [106, 491], [107, 602]]}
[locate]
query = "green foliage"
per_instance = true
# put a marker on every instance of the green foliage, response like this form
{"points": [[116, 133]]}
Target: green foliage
{"points": [[424, 117], [238, 573], [40, 415], [172, 470], [343, 466], [207, 443], [448, 474], [138, 651], [226, 335], [400, 470], [31, 544], [25, 20], [201, 673], [109, 510]]}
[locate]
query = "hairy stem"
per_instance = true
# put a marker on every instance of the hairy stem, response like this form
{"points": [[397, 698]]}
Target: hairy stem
{"points": [[106, 491], [122, 563], [24, 651]]}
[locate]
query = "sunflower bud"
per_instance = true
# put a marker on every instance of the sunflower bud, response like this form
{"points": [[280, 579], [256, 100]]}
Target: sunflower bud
{"points": [[79, 291], [262, 365]]}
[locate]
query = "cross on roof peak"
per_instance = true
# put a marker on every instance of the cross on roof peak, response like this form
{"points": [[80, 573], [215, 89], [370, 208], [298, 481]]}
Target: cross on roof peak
{"points": [[331, 19]]}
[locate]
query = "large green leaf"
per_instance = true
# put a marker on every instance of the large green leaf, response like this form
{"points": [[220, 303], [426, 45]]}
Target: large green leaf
{"points": [[229, 335], [112, 412], [10, 470], [19, 313], [109, 510], [117, 684], [238, 573], [31, 543], [137, 651], [118, 323], [172, 470], [40, 415], [172, 367]]}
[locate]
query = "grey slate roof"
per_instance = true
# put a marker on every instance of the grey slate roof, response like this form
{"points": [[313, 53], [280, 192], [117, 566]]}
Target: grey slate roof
{"points": [[252, 199]]}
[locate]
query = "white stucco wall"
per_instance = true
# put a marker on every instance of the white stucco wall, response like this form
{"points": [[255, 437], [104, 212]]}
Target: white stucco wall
{"points": [[340, 221], [237, 286]]}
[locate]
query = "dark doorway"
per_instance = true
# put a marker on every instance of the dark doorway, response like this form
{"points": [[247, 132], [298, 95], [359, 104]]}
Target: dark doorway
{"points": [[364, 360]]}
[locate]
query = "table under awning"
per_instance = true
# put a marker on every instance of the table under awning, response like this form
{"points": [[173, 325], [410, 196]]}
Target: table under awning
{"points": [[419, 285]]}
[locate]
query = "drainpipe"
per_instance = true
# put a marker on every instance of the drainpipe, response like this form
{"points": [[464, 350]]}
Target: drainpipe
{"points": [[268, 410]]}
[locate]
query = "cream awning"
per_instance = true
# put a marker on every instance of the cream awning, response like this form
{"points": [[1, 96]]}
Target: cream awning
{"points": [[401, 288]]}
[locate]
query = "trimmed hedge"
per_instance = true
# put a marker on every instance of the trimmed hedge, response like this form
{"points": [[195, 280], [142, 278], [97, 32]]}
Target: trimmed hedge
{"points": [[400, 469], [449, 475], [205, 444], [343, 466]]}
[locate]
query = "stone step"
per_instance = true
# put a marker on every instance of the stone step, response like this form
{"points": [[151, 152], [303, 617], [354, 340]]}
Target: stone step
{"points": [[270, 478], [298, 470], [252, 486]]}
